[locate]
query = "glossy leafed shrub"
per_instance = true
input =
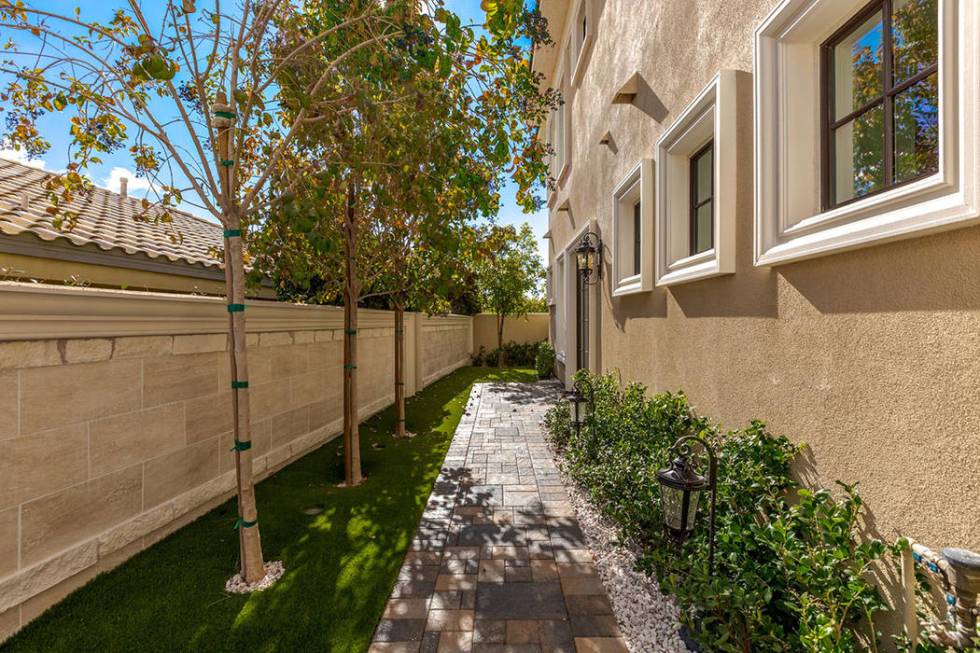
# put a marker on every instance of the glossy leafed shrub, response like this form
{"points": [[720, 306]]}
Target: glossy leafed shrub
{"points": [[544, 361], [791, 569]]}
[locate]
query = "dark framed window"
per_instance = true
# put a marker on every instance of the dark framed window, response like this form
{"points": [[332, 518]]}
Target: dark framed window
{"points": [[702, 199], [636, 238], [880, 100]]}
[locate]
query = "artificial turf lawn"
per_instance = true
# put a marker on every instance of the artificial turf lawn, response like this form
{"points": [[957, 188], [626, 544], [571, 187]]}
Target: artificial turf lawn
{"points": [[340, 564]]}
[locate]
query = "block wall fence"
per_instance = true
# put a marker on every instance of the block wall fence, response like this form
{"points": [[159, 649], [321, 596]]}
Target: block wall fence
{"points": [[532, 327], [115, 416]]}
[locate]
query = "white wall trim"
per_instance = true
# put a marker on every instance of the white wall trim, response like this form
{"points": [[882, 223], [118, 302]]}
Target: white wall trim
{"points": [[711, 116], [790, 224], [637, 185]]}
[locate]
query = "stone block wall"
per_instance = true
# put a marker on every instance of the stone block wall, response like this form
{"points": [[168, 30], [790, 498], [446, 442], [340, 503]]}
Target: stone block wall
{"points": [[115, 417], [532, 327], [443, 340]]}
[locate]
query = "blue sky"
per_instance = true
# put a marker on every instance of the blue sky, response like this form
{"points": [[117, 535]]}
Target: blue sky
{"points": [[118, 164]]}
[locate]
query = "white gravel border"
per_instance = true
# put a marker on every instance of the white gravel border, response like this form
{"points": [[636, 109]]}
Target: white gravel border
{"points": [[647, 618], [273, 572]]}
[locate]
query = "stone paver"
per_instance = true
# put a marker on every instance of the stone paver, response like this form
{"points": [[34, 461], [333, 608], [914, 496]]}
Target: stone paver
{"points": [[499, 564]]}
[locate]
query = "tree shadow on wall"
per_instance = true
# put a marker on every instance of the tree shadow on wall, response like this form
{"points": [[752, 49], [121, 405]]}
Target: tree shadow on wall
{"points": [[342, 549]]}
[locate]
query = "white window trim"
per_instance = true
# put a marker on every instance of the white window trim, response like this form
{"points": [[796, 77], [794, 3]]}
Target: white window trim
{"points": [[561, 306], [549, 285], [564, 114], [789, 222], [713, 111], [559, 119], [636, 186], [583, 49], [569, 299]]}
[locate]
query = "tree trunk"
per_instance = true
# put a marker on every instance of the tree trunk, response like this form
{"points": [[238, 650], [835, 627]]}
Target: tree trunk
{"points": [[253, 566], [400, 431], [250, 544], [500, 340], [352, 438]]}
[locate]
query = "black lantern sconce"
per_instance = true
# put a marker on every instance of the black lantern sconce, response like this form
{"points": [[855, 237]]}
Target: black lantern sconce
{"points": [[680, 488], [588, 258], [580, 398]]}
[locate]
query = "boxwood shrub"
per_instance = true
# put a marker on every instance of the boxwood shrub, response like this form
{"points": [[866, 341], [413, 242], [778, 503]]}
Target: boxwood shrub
{"points": [[792, 571]]}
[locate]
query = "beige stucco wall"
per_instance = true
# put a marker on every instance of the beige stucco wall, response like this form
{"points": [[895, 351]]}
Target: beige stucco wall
{"points": [[532, 327], [868, 356], [115, 417]]}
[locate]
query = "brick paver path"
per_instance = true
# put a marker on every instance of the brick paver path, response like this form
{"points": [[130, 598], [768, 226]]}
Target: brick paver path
{"points": [[499, 564]]}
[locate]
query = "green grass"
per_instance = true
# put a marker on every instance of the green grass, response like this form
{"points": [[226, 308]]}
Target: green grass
{"points": [[340, 564]]}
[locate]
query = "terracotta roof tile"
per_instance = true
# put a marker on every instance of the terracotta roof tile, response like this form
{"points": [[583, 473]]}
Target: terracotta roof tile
{"points": [[106, 220]]}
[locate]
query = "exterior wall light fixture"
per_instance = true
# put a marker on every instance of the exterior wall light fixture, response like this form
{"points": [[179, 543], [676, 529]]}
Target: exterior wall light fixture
{"points": [[588, 257]]}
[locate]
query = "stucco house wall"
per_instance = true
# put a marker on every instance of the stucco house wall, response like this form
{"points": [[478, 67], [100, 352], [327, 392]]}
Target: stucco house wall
{"points": [[115, 416], [869, 356]]}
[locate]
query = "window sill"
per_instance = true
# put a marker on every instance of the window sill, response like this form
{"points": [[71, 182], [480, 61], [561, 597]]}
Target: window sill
{"points": [[914, 210], [629, 286], [693, 268], [563, 176]]}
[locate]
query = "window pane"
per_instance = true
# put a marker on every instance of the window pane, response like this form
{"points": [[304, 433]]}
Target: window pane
{"points": [[704, 187], [917, 129], [704, 229], [858, 158], [915, 37], [858, 68]]}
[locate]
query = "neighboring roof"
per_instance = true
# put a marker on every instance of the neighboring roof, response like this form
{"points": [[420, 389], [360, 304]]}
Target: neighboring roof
{"points": [[106, 221]]}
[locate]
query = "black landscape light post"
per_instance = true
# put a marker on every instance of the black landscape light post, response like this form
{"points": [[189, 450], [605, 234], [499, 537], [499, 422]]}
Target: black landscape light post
{"points": [[680, 488], [580, 397]]}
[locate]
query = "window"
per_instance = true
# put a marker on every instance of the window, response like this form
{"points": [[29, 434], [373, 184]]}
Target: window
{"points": [[632, 242], [580, 41], [881, 100], [702, 200], [558, 139], [560, 306], [867, 124], [697, 174]]}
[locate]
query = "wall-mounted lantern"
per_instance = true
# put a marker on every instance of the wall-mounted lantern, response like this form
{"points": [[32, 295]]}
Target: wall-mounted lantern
{"points": [[680, 488], [588, 257]]}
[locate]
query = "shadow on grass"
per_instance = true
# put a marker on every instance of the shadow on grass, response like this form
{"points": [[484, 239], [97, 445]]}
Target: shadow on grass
{"points": [[340, 564]]}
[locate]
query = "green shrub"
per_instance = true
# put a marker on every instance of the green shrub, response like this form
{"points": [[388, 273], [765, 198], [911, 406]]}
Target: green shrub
{"points": [[544, 363], [789, 576], [516, 354], [480, 358]]}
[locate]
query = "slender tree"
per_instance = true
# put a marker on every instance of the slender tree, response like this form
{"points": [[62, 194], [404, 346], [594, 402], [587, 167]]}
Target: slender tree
{"points": [[474, 95], [197, 99], [509, 275]]}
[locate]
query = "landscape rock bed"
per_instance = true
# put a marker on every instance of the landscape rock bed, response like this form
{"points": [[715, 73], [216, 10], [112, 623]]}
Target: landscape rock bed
{"points": [[647, 617]]}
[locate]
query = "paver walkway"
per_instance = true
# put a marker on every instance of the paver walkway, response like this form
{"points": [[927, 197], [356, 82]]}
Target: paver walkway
{"points": [[499, 564]]}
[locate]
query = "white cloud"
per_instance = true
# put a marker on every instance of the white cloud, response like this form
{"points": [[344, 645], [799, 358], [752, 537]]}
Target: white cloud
{"points": [[140, 185], [20, 156]]}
